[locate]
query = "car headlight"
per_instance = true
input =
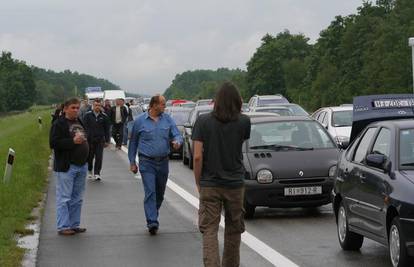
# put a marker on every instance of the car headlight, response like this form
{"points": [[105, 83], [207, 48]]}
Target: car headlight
{"points": [[332, 171], [264, 176]]}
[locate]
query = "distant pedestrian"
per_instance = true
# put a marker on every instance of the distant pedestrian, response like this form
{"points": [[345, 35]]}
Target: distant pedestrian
{"points": [[219, 174], [151, 136], [68, 140], [119, 116], [128, 125], [97, 127], [58, 112], [84, 108], [107, 107]]}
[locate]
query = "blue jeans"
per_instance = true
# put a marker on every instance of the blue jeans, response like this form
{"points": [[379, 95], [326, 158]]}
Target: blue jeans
{"points": [[154, 178], [70, 186], [127, 131]]}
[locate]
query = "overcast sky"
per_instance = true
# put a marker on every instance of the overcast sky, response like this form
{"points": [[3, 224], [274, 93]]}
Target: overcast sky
{"points": [[141, 45]]}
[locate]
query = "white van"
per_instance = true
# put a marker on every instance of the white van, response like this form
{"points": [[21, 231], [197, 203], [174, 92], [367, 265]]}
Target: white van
{"points": [[113, 94]]}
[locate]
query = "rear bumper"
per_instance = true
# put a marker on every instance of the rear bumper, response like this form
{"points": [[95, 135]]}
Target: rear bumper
{"points": [[272, 195], [407, 226]]}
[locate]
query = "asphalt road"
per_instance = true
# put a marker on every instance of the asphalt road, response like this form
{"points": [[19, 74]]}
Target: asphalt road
{"points": [[305, 236], [117, 236]]}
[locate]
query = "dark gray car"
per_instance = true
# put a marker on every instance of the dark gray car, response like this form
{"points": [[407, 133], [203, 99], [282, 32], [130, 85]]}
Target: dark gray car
{"points": [[290, 162]]}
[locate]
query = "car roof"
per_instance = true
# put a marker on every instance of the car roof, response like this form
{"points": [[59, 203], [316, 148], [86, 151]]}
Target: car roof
{"points": [[400, 123], [205, 107], [280, 118]]}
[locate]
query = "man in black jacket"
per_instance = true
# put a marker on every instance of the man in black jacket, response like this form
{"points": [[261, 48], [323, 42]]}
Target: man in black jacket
{"points": [[119, 116], [68, 140], [97, 128]]}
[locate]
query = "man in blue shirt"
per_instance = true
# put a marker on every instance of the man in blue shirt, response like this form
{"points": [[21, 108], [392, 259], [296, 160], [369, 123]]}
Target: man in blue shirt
{"points": [[151, 136]]}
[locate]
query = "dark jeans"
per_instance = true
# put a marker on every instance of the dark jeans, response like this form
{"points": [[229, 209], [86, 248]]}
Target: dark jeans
{"points": [[95, 152], [118, 133], [154, 178], [212, 199]]}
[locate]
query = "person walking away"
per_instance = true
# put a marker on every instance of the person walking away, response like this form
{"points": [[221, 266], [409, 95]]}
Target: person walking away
{"points": [[119, 115], [84, 108], [68, 140], [219, 174], [128, 125], [151, 135], [97, 128]]}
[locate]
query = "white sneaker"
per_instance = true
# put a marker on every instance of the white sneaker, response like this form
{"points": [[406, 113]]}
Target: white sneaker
{"points": [[90, 176], [97, 177]]}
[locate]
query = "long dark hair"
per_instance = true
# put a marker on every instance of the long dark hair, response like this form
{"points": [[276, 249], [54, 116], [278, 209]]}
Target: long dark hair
{"points": [[227, 103]]}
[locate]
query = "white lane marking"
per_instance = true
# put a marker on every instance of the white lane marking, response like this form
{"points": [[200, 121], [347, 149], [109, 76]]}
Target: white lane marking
{"points": [[250, 240]]}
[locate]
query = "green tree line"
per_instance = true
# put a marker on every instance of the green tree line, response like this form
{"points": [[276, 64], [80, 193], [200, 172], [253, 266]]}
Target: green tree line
{"points": [[200, 84], [21, 85], [359, 54]]}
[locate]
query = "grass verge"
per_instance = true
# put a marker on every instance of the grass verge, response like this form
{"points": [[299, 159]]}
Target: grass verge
{"points": [[21, 132]]}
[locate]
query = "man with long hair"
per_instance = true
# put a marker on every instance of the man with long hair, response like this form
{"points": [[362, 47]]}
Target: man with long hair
{"points": [[219, 174]]}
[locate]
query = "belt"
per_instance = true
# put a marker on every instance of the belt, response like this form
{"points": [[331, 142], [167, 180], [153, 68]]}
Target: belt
{"points": [[152, 158]]}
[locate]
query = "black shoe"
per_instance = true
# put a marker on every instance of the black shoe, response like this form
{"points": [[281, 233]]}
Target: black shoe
{"points": [[153, 230]]}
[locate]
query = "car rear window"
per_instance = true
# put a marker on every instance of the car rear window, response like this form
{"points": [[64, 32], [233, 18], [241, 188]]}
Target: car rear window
{"points": [[342, 118]]}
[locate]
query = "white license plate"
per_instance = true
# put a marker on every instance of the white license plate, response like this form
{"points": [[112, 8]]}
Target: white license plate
{"points": [[303, 191]]}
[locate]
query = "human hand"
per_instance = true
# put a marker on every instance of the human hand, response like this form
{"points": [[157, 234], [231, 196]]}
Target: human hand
{"points": [[176, 145], [78, 138], [134, 168]]}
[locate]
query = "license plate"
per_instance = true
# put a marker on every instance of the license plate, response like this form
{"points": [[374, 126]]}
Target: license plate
{"points": [[303, 191]]}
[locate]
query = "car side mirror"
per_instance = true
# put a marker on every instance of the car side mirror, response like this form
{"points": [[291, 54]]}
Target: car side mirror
{"points": [[343, 145], [376, 161], [187, 125]]}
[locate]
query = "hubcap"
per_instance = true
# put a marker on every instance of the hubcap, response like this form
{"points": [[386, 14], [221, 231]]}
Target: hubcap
{"points": [[342, 224], [394, 245]]}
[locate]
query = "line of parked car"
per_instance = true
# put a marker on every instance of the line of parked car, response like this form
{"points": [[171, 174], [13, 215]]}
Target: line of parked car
{"points": [[358, 156]]}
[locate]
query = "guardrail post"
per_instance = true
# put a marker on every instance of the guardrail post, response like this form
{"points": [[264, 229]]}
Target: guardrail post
{"points": [[9, 166], [39, 120]]}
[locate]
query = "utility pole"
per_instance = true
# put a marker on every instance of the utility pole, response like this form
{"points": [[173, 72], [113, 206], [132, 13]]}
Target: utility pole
{"points": [[411, 43]]}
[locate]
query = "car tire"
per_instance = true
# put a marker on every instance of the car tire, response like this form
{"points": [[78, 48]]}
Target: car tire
{"points": [[249, 210], [347, 239], [396, 244]]}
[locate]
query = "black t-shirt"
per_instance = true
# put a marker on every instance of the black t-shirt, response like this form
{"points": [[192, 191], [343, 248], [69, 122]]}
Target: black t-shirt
{"points": [[222, 150], [79, 154]]}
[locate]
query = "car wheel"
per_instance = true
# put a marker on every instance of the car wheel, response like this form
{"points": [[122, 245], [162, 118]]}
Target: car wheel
{"points": [[248, 210], [347, 239], [396, 244]]}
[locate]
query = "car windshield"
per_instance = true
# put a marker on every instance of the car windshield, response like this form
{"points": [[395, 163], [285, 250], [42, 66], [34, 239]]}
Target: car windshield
{"points": [[286, 110], [280, 111], [342, 118], [407, 149], [271, 101], [204, 102], [180, 117], [289, 135]]}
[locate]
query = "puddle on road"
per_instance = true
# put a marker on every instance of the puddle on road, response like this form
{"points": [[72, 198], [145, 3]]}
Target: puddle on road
{"points": [[30, 243]]}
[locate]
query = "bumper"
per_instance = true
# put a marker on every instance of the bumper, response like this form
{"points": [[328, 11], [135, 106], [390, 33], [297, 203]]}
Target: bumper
{"points": [[407, 226], [174, 152], [272, 195]]}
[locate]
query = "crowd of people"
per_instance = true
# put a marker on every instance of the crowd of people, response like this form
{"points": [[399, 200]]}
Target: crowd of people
{"points": [[80, 133]]}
